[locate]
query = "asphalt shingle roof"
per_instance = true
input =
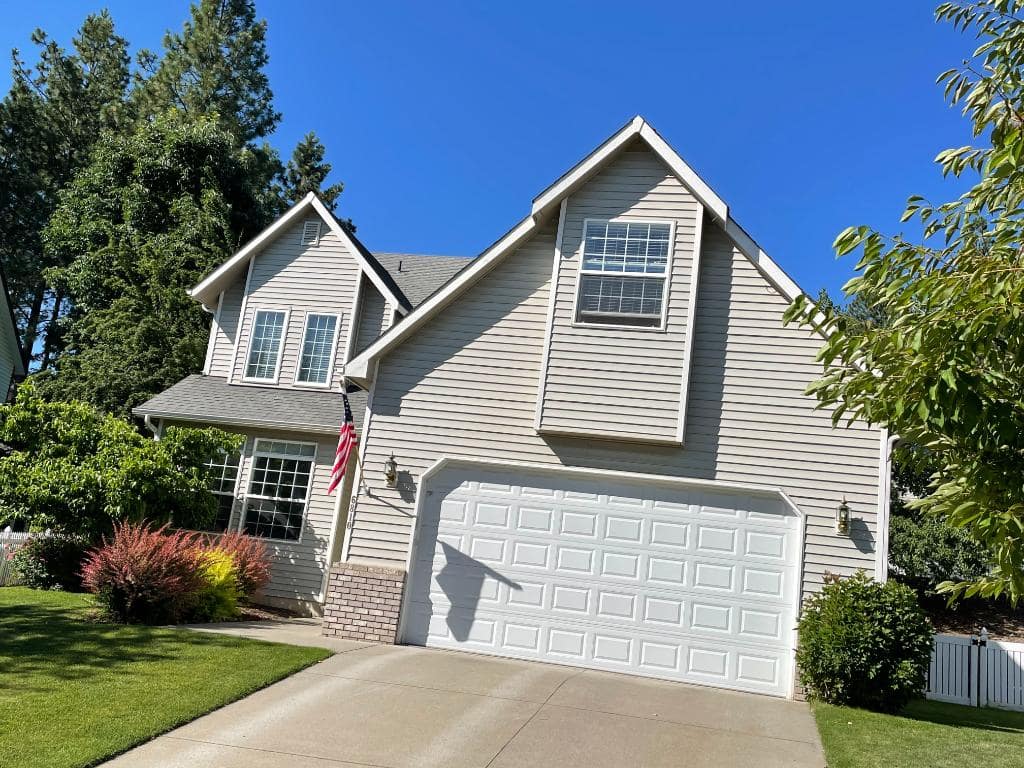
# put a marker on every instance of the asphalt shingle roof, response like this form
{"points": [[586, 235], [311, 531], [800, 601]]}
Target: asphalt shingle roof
{"points": [[421, 275], [211, 400]]}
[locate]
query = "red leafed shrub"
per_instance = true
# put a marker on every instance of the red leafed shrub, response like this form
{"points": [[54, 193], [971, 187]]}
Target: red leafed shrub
{"points": [[250, 557], [145, 575]]}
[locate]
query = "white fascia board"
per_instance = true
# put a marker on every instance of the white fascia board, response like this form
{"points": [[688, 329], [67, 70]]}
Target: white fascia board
{"points": [[356, 252], [212, 280], [579, 172], [359, 367], [205, 291], [592, 162]]}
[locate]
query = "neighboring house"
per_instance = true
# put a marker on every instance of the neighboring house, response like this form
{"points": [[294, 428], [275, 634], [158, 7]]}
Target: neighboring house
{"points": [[591, 446], [12, 365]]}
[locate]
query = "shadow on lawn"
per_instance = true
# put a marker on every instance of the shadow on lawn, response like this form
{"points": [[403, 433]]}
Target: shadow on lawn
{"points": [[956, 716], [61, 645]]}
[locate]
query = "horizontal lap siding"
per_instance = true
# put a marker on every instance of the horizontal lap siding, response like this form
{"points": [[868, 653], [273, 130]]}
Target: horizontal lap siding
{"points": [[372, 318], [465, 385], [297, 568], [639, 370], [226, 331], [305, 279]]}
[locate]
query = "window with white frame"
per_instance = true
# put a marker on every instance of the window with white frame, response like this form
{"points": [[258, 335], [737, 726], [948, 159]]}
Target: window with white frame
{"points": [[265, 345], [275, 504], [317, 349], [223, 479], [623, 273]]}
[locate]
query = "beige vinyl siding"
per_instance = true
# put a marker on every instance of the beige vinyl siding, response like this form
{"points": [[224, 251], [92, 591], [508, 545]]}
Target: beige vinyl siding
{"points": [[373, 319], [297, 567], [302, 279], [226, 329], [466, 385], [590, 368]]}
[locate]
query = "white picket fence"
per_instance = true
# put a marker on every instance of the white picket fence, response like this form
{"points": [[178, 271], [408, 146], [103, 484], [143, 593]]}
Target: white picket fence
{"points": [[977, 672], [8, 543]]}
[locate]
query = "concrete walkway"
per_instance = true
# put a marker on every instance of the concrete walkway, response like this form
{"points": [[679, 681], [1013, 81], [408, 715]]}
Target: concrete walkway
{"points": [[404, 707]]}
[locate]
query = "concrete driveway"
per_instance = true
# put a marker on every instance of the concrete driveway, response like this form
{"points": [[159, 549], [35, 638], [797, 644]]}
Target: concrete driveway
{"points": [[403, 707]]}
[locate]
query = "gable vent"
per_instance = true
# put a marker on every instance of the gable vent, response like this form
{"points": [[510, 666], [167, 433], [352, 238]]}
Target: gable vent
{"points": [[311, 232]]}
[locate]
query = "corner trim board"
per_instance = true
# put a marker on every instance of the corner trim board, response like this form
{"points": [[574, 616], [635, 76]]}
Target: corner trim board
{"points": [[556, 269]]}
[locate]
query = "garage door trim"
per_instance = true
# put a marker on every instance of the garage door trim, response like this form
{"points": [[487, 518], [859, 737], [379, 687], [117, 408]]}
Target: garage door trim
{"points": [[558, 470]]}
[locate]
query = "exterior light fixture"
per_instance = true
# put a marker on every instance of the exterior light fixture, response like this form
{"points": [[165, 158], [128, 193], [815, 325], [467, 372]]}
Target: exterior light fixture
{"points": [[391, 471], [843, 518]]}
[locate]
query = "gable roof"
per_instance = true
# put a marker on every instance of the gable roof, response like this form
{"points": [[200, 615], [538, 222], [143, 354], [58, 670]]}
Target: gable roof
{"points": [[9, 334], [212, 285], [546, 203]]}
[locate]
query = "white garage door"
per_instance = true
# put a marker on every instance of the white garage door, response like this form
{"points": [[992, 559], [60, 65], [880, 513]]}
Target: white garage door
{"points": [[664, 581]]}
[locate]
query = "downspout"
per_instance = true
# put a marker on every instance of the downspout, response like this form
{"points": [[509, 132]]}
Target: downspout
{"points": [[884, 506]]}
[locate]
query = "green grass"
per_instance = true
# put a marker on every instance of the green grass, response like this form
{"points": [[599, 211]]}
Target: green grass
{"points": [[75, 691], [927, 734]]}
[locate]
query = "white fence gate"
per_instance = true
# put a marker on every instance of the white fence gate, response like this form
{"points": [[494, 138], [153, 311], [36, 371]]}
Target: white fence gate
{"points": [[977, 672], [8, 543]]}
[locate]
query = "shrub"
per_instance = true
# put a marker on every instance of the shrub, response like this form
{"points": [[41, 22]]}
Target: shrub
{"points": [[864, 644], [926, 552], [50, 562], [217, 598], [251, 562], [144, 575]]}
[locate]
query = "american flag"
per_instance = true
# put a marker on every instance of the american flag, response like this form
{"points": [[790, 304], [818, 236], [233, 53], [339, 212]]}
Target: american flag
{"points": [[346, 442]]}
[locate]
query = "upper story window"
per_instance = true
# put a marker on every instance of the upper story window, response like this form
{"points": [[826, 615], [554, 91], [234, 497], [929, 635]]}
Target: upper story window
{"points": [[317, 349], [265, 345], [623, 273], [275, 505]]}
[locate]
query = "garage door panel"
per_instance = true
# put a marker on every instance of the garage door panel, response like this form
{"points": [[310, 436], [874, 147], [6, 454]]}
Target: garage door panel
{"points": [[652, 654], [665, 582]]}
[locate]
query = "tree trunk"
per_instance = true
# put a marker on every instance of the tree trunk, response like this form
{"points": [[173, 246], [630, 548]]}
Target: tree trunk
{"points": [[28, 340], [50, 343]]}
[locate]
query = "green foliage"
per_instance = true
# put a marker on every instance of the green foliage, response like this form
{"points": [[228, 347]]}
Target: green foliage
{"points": [[50, 562], [49, 121], [924, 552], [151, 215], [864, 644], [213, 68], [947, 371], [218, 595], [307, 171], [77, 471]]}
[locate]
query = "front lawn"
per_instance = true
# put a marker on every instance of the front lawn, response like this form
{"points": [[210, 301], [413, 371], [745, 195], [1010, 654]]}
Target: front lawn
{"points": [[75, 691], [926, 734]]}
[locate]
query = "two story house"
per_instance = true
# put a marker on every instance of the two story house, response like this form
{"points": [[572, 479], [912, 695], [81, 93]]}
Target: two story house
{"points": [[589, 445]]}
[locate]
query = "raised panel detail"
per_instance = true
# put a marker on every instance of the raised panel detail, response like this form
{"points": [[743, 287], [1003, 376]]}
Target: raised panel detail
{"points": [[668, 534], [571, 599], [612, 649], [716, 540], [766, 544], [713, 617], [713, 576], [576, 524]]}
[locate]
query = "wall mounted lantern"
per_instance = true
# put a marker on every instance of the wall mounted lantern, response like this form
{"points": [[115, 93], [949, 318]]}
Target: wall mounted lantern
{"points": [[391, 471], [843, 518]]}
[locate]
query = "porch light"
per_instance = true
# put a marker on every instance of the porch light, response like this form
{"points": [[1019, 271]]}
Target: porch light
{"points": [[391, 471], [843, 518]]}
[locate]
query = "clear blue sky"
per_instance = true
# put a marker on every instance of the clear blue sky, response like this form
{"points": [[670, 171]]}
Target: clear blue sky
{"points": [[445, 119]]}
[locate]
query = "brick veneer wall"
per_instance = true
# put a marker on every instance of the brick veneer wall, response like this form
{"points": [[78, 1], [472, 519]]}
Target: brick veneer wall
{"points": [[363, 602]]}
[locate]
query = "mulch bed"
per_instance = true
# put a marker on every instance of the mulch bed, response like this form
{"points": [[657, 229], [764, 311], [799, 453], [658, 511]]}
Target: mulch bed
{"points": [[1001, 621], [264, 613]]}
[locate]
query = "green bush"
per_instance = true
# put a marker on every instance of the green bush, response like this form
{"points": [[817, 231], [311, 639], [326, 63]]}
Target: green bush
{"points": [[50, 562], [925, 552], [864, 644], [217, 596]]}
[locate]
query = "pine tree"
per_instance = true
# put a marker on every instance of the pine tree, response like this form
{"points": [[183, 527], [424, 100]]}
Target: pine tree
{"points": [[49, 122], [307, 171], [213, 67], [153, 213]]}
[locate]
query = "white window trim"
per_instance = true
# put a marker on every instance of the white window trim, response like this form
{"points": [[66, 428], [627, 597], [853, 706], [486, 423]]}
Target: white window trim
{"points": [[334, 350], [280, 350], [667, 276], [234, 491], [256, 453]]}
